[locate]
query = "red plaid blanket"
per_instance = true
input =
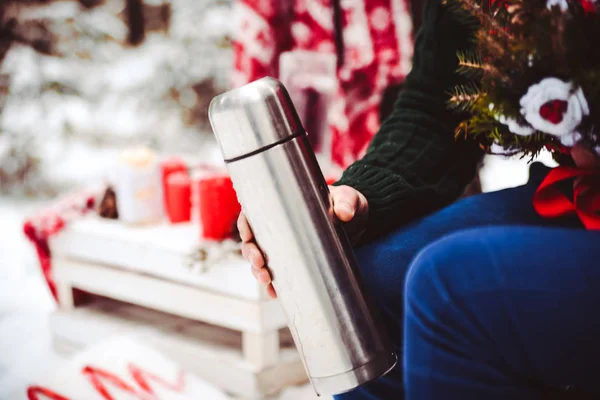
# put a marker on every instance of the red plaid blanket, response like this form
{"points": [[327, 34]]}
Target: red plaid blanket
{"points": [[373, 41], [48, 222]]}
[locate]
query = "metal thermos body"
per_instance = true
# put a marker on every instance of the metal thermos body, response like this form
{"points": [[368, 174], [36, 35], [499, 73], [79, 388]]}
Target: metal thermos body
{"points": [[287, 203]]}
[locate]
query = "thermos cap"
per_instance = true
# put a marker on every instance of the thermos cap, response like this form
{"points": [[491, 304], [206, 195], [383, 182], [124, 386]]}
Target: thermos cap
{"points": [[253, 117]]}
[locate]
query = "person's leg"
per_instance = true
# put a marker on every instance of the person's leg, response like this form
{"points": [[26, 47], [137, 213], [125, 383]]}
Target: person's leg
{"points": [[383, 264], [504, 313]]}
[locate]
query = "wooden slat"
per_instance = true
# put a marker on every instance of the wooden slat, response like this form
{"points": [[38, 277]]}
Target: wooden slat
{"points": [[166, 296], [158, 250], [261, 349]]}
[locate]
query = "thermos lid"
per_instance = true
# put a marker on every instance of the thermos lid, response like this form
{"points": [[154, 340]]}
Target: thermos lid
{"points": [[253, 117]]}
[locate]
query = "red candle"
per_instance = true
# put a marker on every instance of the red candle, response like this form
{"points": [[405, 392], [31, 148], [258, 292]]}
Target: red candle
{"points": [[178, 196], [168, 167], [218, 206]]}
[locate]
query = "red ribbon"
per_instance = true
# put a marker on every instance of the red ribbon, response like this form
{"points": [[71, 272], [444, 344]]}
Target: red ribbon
{"points": [[550, 202]]}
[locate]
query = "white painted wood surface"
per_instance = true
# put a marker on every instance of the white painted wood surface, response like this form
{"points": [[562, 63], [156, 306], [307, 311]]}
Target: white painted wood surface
{"points": [[261, 349], [167, 296], [159, 250]]}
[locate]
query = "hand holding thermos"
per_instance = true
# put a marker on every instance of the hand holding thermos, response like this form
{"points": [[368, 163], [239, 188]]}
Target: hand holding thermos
{"points": [[349, 206]]}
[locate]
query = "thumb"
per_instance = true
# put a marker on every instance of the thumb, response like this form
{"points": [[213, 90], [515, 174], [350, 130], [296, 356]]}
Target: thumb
{"points": [[347, 202], [351, 207]]}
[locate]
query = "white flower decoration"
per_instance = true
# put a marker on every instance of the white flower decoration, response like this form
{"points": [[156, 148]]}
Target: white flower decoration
{"points": [[497, 149], [571, 139], [512, 124], [555, 107], [563, 4]]}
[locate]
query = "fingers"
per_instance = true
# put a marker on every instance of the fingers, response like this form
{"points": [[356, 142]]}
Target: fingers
{"points": [[251, 253], [271, 291], [345, 202], [264, 278], [261, 275], [351, 207], [244, 228]]}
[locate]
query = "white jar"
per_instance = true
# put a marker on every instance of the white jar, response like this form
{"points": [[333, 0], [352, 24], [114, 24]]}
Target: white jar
{"points": [[138, 186]]}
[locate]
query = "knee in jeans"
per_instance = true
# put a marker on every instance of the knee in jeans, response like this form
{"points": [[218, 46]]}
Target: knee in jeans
{"points": [[431, 275]]}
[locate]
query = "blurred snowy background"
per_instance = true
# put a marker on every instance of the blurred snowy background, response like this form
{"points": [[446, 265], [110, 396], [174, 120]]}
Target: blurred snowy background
{"points": [[82, 79]]}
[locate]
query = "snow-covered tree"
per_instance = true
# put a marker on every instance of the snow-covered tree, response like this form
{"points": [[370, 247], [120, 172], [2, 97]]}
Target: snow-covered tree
{"points": [[106, 73]]}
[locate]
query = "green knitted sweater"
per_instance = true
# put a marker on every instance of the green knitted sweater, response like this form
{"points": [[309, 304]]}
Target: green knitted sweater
{"points": [[414, 165]]}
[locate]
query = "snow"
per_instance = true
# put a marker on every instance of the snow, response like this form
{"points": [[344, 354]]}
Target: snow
{"points": [[25, 305]]}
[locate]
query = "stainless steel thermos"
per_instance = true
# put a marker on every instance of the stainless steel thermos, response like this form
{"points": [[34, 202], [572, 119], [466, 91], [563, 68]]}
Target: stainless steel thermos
{"points": [[286, 200]]}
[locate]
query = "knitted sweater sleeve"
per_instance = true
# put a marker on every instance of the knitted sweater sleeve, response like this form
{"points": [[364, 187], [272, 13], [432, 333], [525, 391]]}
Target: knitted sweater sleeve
{"points": [[414, 165]]}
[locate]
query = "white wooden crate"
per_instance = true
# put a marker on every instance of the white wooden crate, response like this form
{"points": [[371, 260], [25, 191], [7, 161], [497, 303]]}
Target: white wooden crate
{"points": [[146, 266], [208, 351], [157, 250]]}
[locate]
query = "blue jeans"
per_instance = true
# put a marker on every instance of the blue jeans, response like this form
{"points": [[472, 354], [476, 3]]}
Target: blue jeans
{"points": [[487, 300]]}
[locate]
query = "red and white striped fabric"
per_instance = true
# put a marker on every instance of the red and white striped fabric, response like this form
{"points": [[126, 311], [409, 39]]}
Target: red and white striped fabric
{"points": [[377, 52], [50, 221], [122, 369]]}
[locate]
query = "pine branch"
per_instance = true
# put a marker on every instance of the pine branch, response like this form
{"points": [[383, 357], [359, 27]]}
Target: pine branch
{"points": [[464, 101], [476, 127], [489, 43], [461, 14], [472, 66], [487, 20], [461, 129], [471, 61], [465, 97]]}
